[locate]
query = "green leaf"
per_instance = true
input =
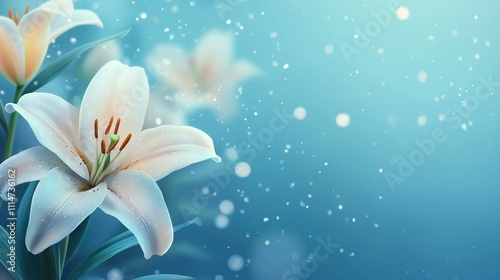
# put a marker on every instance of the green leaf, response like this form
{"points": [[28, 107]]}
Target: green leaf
{"points": [[164, 277], [3, 117], [4, 250], [76, 238], [111, 248], [51, 71]]}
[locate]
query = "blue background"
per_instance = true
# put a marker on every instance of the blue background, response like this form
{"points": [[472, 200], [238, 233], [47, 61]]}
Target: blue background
{"points": [[440, 222]]}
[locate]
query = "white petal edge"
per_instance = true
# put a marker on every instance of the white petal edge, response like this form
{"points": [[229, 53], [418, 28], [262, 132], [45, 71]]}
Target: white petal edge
{"points": [[27, 166], [118, 91], [162, 150], [61, 24], [54, 122], [59, 205], [12, 54], [136, 201]]}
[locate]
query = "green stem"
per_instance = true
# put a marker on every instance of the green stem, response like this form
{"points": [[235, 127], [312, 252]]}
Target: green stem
{"points": [[12, 124]]}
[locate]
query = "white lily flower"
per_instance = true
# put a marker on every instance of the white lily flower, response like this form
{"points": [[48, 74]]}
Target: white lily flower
{"points": [[99, 157], [207, 77], [24, 41]]}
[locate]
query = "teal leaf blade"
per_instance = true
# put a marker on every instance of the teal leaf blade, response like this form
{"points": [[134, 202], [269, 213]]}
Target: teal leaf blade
{"points": [[76, 238], [164, 277], [111, 248], [5, 251], [3, 117], [51, 71]]}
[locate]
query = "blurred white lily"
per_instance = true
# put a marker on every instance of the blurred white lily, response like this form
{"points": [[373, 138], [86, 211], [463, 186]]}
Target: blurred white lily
{"points": [[98, 157], [24, 41], [207, 77]]}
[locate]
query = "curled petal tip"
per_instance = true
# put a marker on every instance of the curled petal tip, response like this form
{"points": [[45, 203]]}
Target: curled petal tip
{"points": [[9, 108], [217, 159]]}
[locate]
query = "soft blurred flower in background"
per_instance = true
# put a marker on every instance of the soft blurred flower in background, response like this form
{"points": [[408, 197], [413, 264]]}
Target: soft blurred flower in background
{"points": [[205, 78]]}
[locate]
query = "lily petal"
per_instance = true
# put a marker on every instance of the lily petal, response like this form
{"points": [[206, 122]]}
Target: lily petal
{"points": [[27, 166], [62, 24], [35, 31], [162, 150], [117, 91], [54, 122], [12, 54], [59, 205], [136, 201]]}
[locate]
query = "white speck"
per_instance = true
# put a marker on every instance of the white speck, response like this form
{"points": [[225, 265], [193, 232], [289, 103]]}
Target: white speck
{"points": [[329, 212], [232, 153], [422, 120], [375, 225], [226, 207], [175, 9], [143, 15], [242, 169], [267, 242], [115, 274], [422, 76], [273, 35], [72, 40], [221, 221], [380, 170], [380, 51], [329, 49], [341, 207], [265, 219], [402, 13], [158, 121], [286, 66], [235, 262], [299, 113], [343, 120]]}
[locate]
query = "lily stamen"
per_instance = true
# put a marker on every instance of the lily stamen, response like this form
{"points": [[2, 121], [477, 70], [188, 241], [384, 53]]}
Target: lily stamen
{"points": [[103, 158], [117, 125], [96, 129], [125, 142], [15, 17], [109, 126]]}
